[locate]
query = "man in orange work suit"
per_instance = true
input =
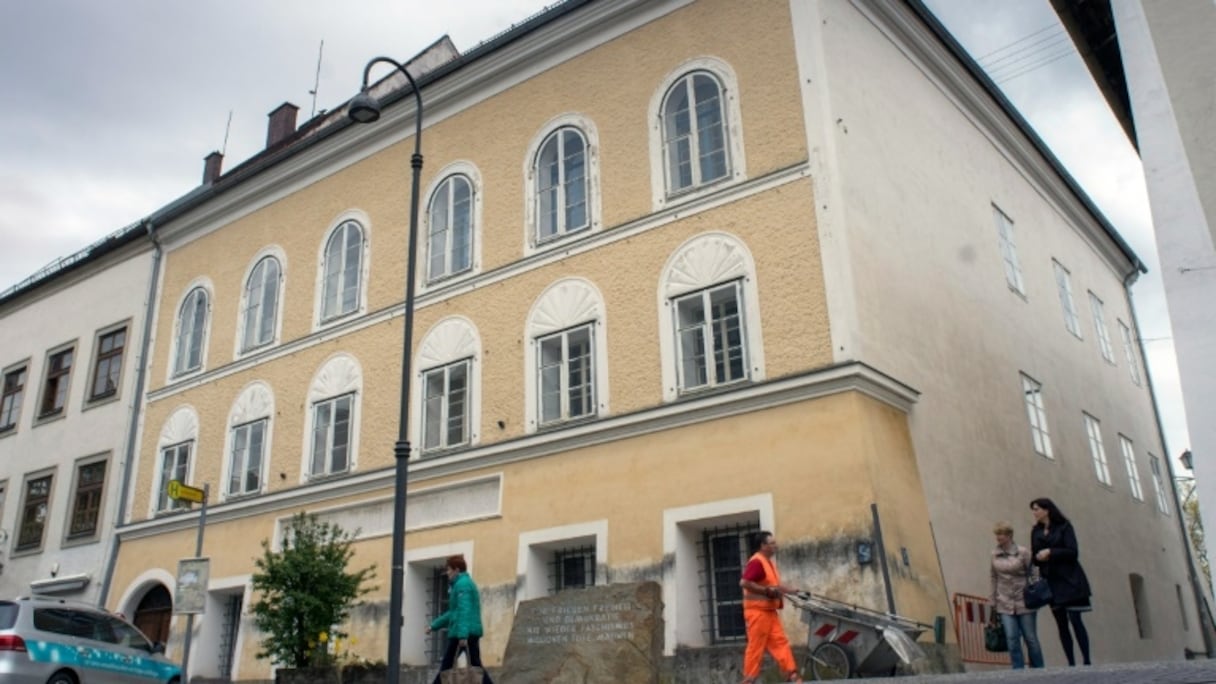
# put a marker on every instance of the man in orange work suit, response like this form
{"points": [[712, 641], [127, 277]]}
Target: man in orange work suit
{"points": [[762, 591]]}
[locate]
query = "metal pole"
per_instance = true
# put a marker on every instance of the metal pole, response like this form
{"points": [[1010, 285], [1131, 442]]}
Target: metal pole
{"points": [[401, 450], [882, 559], [198, 553]]}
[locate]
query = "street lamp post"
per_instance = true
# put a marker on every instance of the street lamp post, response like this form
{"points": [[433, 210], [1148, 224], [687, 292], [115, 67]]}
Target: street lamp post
{"points": [[365, 109]]}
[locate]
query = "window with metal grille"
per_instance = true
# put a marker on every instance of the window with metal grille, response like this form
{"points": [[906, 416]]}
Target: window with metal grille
{"points": [[437, 600], [86, 505], [107, 372], [55, 391], [724, 554], [445, 406], [572, 569], [228, 634], [34, 513], [10, 402]]}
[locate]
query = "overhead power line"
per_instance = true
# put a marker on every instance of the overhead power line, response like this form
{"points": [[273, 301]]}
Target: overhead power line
{"points": [[1029, 50], [1018, 41]]}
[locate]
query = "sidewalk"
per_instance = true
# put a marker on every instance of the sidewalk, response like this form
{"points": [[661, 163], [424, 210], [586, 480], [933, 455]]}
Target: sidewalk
{"points": [[1174, 672]]}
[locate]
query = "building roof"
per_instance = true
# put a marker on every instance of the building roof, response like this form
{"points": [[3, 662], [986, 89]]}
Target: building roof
{"points": [[1092, 27]]}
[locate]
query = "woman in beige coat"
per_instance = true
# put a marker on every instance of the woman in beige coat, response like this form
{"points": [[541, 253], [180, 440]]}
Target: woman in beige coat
{"points": [[1010, 571]]}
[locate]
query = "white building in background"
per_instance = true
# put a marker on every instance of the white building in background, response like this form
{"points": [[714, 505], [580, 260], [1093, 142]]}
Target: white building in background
{"points": [[1156, 62], [70, 340]]}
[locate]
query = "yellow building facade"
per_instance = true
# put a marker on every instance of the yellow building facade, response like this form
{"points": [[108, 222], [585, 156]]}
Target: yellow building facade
{"points": [[623, 350]]}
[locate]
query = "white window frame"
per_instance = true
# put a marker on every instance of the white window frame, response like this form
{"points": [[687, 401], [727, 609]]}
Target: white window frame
{"points": [[178, 367], [707, 328], [1129, 351], [1158, 484], [243, 345], [1069, 307], [1036, 416], [328, 469], [445, 406], [563, 389], [591, 169], [565, 305], [239, 458], [161, 501], [661, 193], [1097, 450], [1099, 316], [426, 280], [255, 404], [451, 340], [1133, 472], [344, 223], [1009, 251], [339, 375], [179, 428], [703, 262]]}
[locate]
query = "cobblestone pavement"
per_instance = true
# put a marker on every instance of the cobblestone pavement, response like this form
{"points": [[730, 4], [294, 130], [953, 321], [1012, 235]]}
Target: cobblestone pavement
{"points": [[1181, 672]]}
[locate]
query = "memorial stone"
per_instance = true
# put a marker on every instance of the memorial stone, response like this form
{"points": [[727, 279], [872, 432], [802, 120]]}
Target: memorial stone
{"points": [[599, 635]]}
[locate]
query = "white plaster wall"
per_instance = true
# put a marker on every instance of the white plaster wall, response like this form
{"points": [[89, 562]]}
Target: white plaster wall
{"points": [[103, 294], [1170, 62], [916, 175]]}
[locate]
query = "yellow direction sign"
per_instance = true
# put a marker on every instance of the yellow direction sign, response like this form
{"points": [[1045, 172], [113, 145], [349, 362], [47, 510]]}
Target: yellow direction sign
{"points": [[184, 492]]}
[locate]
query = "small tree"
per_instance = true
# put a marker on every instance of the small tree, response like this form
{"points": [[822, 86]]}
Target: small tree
{"points": [[305, 590]]}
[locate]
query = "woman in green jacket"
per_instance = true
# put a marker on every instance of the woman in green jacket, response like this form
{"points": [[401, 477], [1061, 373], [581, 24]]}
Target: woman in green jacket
{"points": [[462, 619]]}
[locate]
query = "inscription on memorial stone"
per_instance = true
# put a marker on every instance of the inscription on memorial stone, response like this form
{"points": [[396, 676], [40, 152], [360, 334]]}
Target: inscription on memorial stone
{"points": [[611, 633]]}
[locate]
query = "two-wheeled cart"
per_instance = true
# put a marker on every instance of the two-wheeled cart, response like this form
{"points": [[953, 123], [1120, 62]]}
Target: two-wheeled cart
{"points": [[851, 641]]}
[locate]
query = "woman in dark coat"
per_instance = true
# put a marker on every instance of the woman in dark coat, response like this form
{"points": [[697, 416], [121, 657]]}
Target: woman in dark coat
{"points": [[1054, 547]]}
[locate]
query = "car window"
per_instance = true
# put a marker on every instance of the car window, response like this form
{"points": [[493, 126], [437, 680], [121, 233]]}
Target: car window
{"points": [[63, 621], [8, 614], [99, 628], [128, 635]]}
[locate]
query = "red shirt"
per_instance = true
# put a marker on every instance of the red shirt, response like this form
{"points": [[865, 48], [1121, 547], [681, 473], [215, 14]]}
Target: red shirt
{"points": [[754, 572]]}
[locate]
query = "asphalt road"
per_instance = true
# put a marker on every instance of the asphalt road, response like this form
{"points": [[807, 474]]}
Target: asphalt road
{"points": [[1182, 672]]}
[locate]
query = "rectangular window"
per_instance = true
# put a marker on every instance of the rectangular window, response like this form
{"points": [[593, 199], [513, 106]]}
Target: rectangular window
{"points": [[1009, 251], [1129, 351], [725, 553], [1095, 305], [245, 466], [1094, 429], [709, 328], [1158, 484], [567, 375], [174, 465], [10, 401], [34, 511], [445, 406], [55, 389], [1064, 285], [1032, 392], [86, 502], [1133, 473], [331, 434], [573, 569], [107, 370]]}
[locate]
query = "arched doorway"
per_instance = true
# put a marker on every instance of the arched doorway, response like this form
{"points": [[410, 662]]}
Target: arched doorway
{"points": [[153, 614]]}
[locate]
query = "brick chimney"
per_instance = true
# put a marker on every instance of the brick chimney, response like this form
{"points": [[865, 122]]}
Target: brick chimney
{"points": [[212, 164], [282, 124]]}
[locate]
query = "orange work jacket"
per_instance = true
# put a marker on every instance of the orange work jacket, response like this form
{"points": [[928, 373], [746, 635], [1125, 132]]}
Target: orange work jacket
{"points": [[752, 600]]}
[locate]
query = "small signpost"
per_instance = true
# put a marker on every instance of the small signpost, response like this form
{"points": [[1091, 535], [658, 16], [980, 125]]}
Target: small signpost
{"points": [[192, 572]]}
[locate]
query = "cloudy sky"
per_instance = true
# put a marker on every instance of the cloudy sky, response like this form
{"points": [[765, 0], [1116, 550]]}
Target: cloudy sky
{"points": [[111, 107]]}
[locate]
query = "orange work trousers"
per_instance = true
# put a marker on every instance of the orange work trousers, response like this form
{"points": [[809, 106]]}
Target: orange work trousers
{"points": [[764, 632]]}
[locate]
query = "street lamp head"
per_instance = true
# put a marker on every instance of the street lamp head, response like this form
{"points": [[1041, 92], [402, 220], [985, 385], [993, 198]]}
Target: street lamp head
{"points": [[1186, 460], [363, 108]]}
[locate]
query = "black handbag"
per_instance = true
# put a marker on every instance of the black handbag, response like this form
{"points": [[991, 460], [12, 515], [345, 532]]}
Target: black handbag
{"points": [[1037, 592], [994, 636]]}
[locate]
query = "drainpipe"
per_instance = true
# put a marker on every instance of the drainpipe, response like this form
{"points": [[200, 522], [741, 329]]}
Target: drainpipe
{"points": [[1201, 604], [132, 430]]}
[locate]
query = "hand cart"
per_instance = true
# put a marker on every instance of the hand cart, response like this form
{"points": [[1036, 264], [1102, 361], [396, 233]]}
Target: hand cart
{"points": [[851, 641]]}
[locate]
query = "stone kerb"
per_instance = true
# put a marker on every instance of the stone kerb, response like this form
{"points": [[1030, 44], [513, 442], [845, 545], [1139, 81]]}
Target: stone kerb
{"points": [[607, 634]]}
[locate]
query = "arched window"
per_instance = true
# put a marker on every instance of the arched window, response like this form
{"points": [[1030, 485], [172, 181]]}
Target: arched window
{"points": [[331, 438], [450, 228], [260, 304], [191, 332], [249, 438], [562, 185], [343, 271], [567, 364], [447, 398], [694, 132], [176, 446]]}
